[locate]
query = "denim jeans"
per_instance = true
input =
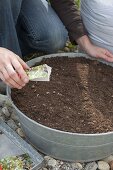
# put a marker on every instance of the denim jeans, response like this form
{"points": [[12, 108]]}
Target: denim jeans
{"points": [[9, 11], [38, 27]]}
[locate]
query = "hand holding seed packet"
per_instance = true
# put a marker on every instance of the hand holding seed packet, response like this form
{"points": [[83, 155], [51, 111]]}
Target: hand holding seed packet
{"points": [[39, 73]]}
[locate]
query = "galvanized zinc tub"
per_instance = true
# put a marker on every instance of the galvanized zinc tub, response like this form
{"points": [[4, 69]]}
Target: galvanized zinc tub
{"points": [[65, 145]]}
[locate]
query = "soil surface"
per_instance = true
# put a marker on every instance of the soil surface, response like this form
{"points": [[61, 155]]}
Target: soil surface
{"points": [[78, 98]]}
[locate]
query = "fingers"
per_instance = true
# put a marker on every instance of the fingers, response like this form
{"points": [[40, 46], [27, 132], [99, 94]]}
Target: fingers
{"points": [[24, 65], [11, 77], [108, 54], [12, 69], [105, 57], [105, 54], [99, 52], [21, 72], [108, 57], [14, 75]]}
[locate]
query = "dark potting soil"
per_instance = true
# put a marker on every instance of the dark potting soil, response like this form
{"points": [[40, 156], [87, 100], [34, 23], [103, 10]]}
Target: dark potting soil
{"points": [[78, 98]]}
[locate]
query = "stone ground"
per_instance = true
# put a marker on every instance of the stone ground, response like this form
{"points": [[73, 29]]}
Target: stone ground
{"points": [[7, 113]]}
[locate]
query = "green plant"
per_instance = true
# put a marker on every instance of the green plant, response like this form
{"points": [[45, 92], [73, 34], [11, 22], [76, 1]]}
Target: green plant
{"points": [[78, 3]]}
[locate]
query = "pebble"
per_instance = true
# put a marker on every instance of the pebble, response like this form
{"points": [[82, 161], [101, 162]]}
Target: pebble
{"points": [[66, 166], [108, 159], [3, 99], [103, 165], [32, 86], [66, 49], [47, 158], [52, 162], [47, 92], [5, 111], [12, 124], [91, 166], [77, 166], [20, 132], [18, 124], [2, 117], [43, 169], [74, 50], [14, 117]]}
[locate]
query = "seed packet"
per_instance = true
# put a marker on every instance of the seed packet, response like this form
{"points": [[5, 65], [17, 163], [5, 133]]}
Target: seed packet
{"points": [[39, 73]]}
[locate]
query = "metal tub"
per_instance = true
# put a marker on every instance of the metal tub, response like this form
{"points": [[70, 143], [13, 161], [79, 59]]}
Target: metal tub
{"points": [[65, 145]]}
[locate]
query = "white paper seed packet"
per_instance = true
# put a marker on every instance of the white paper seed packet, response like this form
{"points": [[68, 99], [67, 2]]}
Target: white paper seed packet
{"points": [[39, 73]]}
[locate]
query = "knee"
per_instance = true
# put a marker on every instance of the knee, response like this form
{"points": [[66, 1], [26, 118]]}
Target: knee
{"points": [[56, 40], [49, 41]]}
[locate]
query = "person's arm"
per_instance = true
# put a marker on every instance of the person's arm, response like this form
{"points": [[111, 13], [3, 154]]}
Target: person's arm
{"points": [[12, 69], [70, 16], [93, 50]]}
